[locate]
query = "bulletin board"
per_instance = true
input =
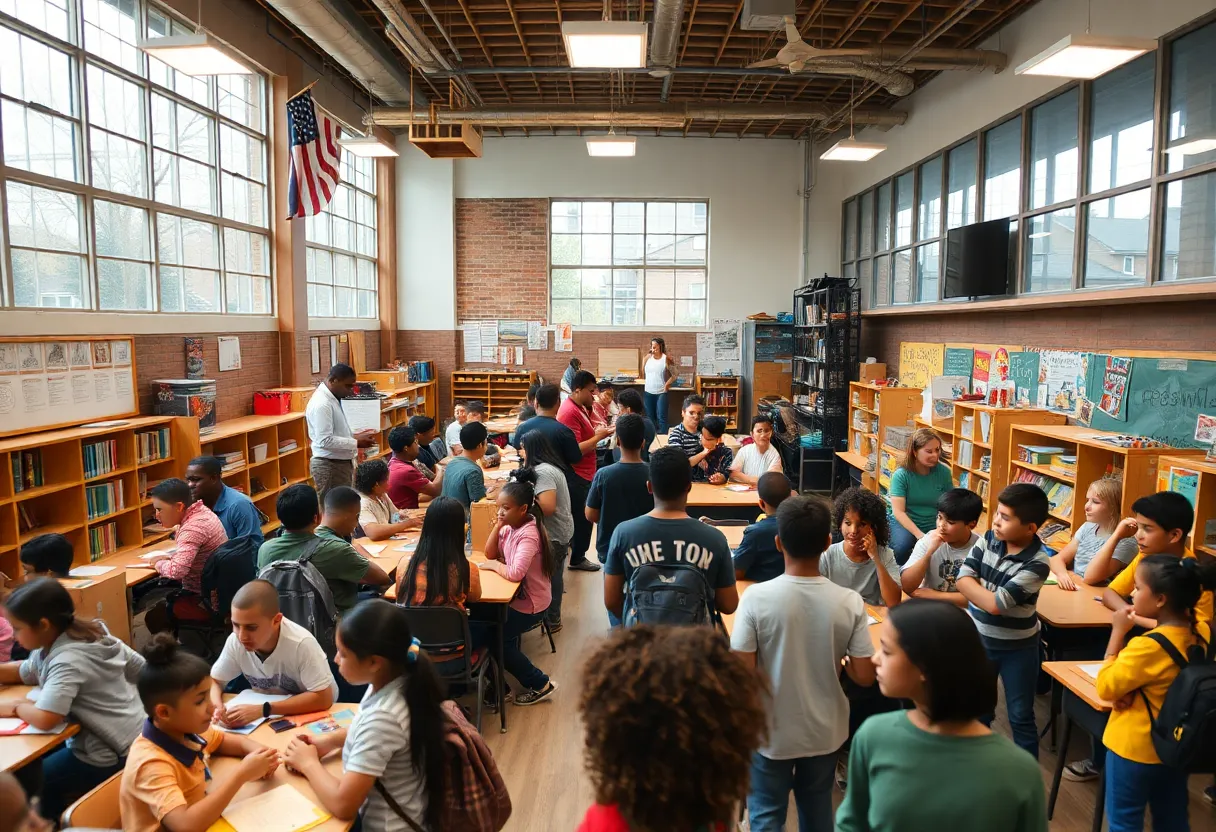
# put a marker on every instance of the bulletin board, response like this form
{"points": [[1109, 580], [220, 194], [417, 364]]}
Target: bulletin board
{"points": [[920, 362], [48, 383], [1169, 399]]}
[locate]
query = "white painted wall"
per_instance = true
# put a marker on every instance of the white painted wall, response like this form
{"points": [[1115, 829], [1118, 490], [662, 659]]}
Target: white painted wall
{"points": [[755, 212]]}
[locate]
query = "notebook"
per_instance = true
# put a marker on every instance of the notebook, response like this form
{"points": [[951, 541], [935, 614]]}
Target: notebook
{"points": [[281, 809]]}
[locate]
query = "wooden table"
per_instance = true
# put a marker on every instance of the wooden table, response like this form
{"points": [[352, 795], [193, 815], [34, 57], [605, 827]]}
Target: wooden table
{"points": [[704, 494], [222, 766], [1073, 609], [729, 439], [1082, 706], [503, 424], [879, 613], [23, 749], [137, 570]]}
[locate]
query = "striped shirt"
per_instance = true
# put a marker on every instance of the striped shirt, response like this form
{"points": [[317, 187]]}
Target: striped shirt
{"points": [[378, 745], [689, 443], [1015, 581]]}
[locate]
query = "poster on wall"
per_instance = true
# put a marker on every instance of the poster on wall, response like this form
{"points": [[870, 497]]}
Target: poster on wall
{"points": [[538, 338], [470, 338], [705, 354], [726, 339], [918, 363], [1115, 379], [981, 367], [1061, 380], [563, 338], [512, 333], [194, 358]]}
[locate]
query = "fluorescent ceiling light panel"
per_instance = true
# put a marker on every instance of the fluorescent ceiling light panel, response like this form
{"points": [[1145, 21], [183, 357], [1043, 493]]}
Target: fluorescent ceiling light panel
{"points": [[368, 146], [851, 150], [612, 146], [1192, 145], [195, 55], [1085, 56], [1038, 235], [605, 44]]}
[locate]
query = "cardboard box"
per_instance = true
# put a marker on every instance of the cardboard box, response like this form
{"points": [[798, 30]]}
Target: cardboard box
{"points": [[297, 397], [871, 372], [481, 519], [385, 379], [103, 597]]}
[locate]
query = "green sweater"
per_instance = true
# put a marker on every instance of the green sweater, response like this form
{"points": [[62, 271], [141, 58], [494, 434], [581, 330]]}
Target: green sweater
{"points": [[903, 778]]}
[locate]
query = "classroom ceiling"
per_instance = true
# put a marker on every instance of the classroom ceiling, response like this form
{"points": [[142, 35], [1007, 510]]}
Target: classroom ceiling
{"points": [[508, 55]]}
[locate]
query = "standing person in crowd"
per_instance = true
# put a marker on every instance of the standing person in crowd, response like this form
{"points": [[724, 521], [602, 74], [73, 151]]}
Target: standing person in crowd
{"points": [[378, 516], [862, 560], [757, 557], [334, 446], [620, 491], [932, 655], [652, 708], [237, 513], [548, 406], [936, 559], [405, 480], [630, 401], [437, 574], [573, 414], [553, 497], [460, 417], [915, 487], [760, 457], [659, 373]]}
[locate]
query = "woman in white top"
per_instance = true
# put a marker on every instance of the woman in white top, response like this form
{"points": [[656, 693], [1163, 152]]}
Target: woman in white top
{"points": [[660, 372], [397, 736]]}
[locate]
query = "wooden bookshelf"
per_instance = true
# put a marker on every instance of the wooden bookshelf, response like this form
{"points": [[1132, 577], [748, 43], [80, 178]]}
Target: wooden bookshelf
{"points": [[398, 407], [1202, 496], [500, 390], [60, 503], [721, 395], [873, 409], [1137, 467]]}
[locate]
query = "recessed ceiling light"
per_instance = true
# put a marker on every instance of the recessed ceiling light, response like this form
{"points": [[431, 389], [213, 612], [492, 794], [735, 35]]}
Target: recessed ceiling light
{"points": [[605, 44], [368, 146], [851, 150], [1085, 56], [198, 54], [612, 145]]}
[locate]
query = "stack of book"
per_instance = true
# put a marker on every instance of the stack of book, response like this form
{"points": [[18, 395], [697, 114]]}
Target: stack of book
{"points": [[152, 445], [720, 398], [233, 461], [419, 371], [104, 499], [100, 458], [286, 445], [27, 469], [1038, 454], [103, 540], [1065, 464]]}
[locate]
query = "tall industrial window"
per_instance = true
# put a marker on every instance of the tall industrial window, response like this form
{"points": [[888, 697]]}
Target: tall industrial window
{"points": [[341, 256]]}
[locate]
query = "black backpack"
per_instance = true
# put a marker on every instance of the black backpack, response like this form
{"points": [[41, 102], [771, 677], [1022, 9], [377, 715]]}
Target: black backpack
{"points": [[1184, 730], [669, 593], [230, 567], [304, 595]]}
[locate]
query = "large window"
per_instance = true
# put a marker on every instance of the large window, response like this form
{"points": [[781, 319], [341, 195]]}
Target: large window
{"points": [[341, 258], [127, 186], [1094, 199], [628, 263]]}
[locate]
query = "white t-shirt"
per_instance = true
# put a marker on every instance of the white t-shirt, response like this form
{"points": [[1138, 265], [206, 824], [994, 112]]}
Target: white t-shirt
{"points": [[750, 461], [862, 577], [944, 563], [800, 629], [452, 436], [378, 745], [379, 510], [297, 665], [656, 374]]}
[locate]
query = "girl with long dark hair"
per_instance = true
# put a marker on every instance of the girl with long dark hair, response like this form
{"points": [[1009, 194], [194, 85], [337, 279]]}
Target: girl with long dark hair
{"points": [[553, 497], [438, 573]]}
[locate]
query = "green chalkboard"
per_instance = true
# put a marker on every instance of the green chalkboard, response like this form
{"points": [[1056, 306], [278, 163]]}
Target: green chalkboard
{"points": [[1164, 399], [957, 362], [1024, 372]]}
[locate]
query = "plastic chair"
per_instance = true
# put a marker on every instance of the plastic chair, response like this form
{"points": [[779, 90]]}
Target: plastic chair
{"points": [[444, 633], [96, 810]]}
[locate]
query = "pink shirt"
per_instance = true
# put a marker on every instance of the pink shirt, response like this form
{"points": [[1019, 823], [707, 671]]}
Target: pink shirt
{"points": [[520, 551], [574, 417], [200, 534], [6, 640], [405, 482]]}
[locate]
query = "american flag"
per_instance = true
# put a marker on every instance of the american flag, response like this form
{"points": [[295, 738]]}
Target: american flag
{"points": [[314, 157]]}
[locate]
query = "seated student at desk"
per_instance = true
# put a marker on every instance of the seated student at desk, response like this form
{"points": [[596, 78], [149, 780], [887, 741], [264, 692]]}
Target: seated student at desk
{"points": [[166, 784], [712, 464], [1096, 552], [47, 555], [437, 573], [378, 517], [430, 445], [863, 561], [275, 655], [463, 481], [81, 673], [760, 457], [603, 411], [451, 436], [405, 480], [938, 556], [477, 413], [199, 534], [757, 557], [237, 513], [686, 436]]}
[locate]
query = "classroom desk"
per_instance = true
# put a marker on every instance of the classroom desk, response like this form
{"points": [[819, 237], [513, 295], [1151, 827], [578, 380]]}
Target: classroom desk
{"points": [[23, 749], [221, 766], [704, 494], [137, 571], [660, 441], [1073, 622], [503, 424], [877, 613], [1082, 706]]}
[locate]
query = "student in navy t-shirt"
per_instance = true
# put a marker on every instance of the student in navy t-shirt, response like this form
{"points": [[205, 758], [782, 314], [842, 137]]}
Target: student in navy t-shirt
{"points": [[620, 491], [757, 557], [668, 534]]}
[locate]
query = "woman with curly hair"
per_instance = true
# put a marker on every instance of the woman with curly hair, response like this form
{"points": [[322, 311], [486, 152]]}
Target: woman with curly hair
{"points": [[663, 753], [863, 561]]}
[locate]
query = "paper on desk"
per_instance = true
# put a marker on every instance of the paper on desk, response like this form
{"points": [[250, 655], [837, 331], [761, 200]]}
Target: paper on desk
{"points": [[1090, 670], [279, 810], [873, 620], [409, 547], [58, 729], [375, 548], [738, 488], [10, 724], [497, 475], [158, 553], [33, 693], [90, 571], [248, 697]]}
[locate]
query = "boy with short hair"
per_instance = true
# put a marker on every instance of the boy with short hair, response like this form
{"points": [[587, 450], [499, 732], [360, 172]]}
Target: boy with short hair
{"points": [[275, 655], [757, 557], [477, 413], [452, 435], [619, 491], [759, 457], [712, 464], [1001, 579], [687, 435], [405, 481], [1160, 525], [602, 411], [47, 555], [463, 479], [630, 401], [430, 446], [797, 629], [933, 566]]}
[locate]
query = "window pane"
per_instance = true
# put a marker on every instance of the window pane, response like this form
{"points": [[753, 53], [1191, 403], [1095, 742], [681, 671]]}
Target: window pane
{"points": [[185, 242], [597, 312], [51, 16], [690, 249], [1003, 170], [928, 267], [323, 269], [202, 290], [365, 274], [1116, 249], [196, 89], [1049, 250], [41, 218], [241, 99], [122, 231], [929, 200], [181, 129], [691, 217], [243, 154], [1192, 127], [629, 217], [902, 278], [1053, 150], [316, 229], [660, 284], [565, 218], [244, 201], [183, 182], [597, 249], [627, 249], [661, 248], [566, 250], [881, 278], [661, 218], [882, 222], [39, 142], [866, 210], [115, 103], [1122, 146], [33, 72], [690, 284], [123, 284], [660, 312], [597, 217], [367, 305], [344, 270], [597, 283], [117, 164], [1188, 249], [246, 252], [960, 206], [565, 312], [110, 30], [690, 313], [565, 283], [850, 229], [42, 278], [903, 210], [627, 312]]}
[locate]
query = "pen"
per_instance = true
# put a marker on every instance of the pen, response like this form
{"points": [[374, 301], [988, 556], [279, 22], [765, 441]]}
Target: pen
{"points": [[1096, 598]]}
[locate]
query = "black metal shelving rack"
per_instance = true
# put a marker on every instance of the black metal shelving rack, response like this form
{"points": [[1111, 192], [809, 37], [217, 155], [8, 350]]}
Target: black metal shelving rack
{"points": [[827, 347]]}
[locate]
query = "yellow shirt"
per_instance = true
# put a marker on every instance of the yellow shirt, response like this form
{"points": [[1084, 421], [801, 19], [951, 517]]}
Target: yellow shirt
{"points": [[1143, 665], [160, 776], [1125, 582]]}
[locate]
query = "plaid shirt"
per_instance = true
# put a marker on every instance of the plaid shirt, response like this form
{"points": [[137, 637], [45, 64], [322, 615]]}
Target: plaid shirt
{"points": [[718, 461], [1015, 581], [199, 534]]}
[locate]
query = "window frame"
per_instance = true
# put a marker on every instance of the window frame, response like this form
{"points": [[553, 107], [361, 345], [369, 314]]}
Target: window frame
{"points": [[352, 252]]}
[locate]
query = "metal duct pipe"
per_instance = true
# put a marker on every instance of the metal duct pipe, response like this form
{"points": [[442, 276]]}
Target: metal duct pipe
{"points": [[409, 38], [665, 33], [638, 115], [893, 81], [338, 30]]}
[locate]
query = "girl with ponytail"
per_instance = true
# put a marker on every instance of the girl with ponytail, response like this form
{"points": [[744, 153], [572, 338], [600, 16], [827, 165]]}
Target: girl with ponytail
{"points": [[518, 549], [392, 753], [1136, 677]]}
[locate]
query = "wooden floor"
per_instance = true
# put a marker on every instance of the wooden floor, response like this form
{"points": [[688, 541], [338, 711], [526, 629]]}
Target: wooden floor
{"points": [[541, 754]]}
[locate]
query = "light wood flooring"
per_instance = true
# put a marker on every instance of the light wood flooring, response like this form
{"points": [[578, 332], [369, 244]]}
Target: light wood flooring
{"points": [[541, 755]]}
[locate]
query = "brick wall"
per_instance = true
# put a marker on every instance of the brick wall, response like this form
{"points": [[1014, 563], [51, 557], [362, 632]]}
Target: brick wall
{"points": [[441, 346], [1162, 327], [164, 356], [502, 257]]}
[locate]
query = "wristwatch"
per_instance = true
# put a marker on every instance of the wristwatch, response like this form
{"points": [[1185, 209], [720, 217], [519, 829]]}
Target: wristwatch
{"points": [[265, 710]]}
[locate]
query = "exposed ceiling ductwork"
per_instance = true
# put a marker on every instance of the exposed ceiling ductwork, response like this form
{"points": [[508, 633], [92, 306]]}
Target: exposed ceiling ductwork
{"points": [[665, 33], [406, 35]]}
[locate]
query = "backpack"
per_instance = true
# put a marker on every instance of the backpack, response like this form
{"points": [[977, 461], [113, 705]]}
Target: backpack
{"points": [[229, 568], [669, 593], [475, 798], [1184, 730], [304, 595]]}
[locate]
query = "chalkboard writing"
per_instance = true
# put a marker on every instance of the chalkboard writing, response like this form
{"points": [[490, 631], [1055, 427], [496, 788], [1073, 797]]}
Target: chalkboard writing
{"points": [[957, 361], [1164, 403], [1024, 373]]}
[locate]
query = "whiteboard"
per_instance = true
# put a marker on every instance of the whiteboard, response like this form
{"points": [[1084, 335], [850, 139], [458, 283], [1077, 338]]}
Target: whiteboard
{"points": [[58, 382]]}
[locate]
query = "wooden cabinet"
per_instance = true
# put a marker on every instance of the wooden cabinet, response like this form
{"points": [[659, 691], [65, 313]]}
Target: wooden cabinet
{"points": [[873, 409], [500, 391], [721, 395]]}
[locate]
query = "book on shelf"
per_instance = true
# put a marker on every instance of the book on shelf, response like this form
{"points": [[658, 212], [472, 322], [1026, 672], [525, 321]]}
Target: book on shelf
{"points": [[964, 453], [985, 425], [982, 487], [287, 445], [103, 540], [27, 470], [417, 372], [1038, 454], [1209, 533], [100, 458], [1051, 528], [27, 520], [105, 498], [1059, 494], [152, 445], [1065, 464]]}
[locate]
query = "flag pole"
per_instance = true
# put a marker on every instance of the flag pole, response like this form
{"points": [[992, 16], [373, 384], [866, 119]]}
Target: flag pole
{"points": [[301, 92]]}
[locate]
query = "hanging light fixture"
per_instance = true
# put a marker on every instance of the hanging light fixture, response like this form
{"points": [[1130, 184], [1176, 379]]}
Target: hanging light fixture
{"points": [[1085, 56], [368, 146], [194, 55], [851, 150], [612, 145], [605, 44]]}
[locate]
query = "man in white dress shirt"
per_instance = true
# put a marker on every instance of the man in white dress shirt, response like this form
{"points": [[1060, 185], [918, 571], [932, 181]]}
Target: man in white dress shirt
{"points": [[334, 446]]}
